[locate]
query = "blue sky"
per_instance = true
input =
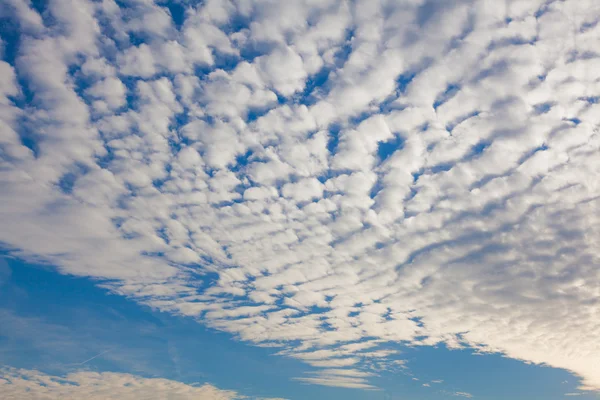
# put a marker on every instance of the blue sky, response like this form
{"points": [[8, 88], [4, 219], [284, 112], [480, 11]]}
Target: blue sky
{"points": [[288, 200]]}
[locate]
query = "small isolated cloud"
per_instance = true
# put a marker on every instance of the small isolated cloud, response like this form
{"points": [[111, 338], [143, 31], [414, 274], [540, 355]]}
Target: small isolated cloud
{"points": [[463, 394], [16, 384], [343, 382]]}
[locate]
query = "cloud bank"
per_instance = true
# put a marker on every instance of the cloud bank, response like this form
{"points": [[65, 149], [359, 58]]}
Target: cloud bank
{"points": [[18, 384], [326, 177]]}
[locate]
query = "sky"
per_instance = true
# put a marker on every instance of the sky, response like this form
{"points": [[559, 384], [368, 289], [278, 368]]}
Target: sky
{"points": [[304, 199]]}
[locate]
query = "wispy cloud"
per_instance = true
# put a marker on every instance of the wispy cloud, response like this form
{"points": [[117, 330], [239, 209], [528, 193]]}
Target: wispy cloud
{"points": [[92, 358], [463, 394]]}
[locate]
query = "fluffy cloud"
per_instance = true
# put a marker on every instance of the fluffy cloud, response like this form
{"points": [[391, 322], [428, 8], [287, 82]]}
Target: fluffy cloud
{"points": [[420, 172]]}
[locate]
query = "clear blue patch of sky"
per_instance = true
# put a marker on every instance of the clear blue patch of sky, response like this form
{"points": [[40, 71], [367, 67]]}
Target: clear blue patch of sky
{"points": [[387, 148], [404, 80], [177, 10], [486, 377]]}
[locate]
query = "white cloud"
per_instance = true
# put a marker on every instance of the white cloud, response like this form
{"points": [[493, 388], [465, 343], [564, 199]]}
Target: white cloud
{"points": [[463, 394], [303, 190], [346, 378], [479, 230], [28, 19], [283, 70], [111, 90], [137, 61], [19, 383]]}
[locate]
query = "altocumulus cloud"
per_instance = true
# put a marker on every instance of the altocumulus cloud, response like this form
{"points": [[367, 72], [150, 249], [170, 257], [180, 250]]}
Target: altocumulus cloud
{"points": [[326, 177]]}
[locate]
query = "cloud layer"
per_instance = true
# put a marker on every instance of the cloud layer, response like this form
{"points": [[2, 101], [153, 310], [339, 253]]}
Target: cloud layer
{"points": [[321, 176]]}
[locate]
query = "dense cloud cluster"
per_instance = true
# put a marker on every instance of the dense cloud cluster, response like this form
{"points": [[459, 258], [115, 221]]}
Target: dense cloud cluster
{"points": [[323, 176]]}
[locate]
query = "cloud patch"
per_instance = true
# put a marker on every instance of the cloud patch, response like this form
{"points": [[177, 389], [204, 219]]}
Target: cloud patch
{"points": [[19, 383]]}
